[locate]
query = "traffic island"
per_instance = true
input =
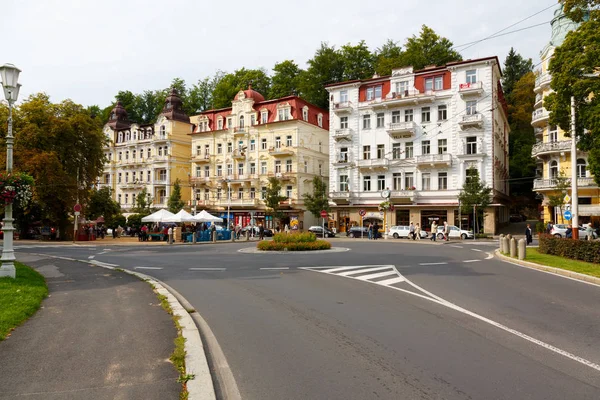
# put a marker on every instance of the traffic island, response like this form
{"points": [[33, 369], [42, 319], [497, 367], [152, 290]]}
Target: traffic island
{"points": [[294, 242]]}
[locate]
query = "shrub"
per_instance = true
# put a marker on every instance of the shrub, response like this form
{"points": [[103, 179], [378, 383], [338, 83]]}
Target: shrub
{"points": [[296, 237], [588, 251], [293, 246], [540, 227]]}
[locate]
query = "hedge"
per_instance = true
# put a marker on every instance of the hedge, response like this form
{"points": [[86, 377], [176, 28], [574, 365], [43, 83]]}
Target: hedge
{"points": [[293, 246], [295, 237], [583, 250]]}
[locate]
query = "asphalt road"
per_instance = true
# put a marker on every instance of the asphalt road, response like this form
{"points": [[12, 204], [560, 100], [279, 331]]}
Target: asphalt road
{"points": [[384, 320]]}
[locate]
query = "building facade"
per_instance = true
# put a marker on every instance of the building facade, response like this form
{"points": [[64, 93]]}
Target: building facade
{"points": [[150, 156], [236, 150], [416, 134], [553, 149]]}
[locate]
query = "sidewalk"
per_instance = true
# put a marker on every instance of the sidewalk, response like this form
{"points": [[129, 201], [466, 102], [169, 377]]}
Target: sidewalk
{"points": [[100, 334]]}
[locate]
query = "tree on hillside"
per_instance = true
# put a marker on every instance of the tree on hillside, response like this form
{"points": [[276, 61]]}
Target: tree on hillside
{"points": [[578, 10], [101, 204], [175, 204], [284, 81], [474, 194], [273, 198], [226, 89], [358, 61], [61, 146], [573, 67], [428, 49], [387, 57], [326, 66], [317, 200], [201, 94], [515, 66]]}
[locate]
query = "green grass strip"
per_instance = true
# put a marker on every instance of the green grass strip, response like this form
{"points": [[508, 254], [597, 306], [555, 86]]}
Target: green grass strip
{"points": [[581, 267], [20, 298]]}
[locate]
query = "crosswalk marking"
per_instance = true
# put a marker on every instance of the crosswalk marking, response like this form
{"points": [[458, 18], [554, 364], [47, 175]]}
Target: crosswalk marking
{"points": [[362, 271], [377, 275], [365, 273], [392, 281]]}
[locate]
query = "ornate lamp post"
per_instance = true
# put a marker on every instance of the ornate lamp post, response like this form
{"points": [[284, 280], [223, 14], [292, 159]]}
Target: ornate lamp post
{"points": [[10, 77]]}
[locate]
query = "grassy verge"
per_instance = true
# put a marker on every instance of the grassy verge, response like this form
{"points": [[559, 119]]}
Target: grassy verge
{"points": [[20, 298], [581, 267]]}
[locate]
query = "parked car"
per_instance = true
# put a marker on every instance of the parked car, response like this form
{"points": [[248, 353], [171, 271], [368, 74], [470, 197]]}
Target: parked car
{"points": [[583, 233], [559, 230], [455, 233], [402, 231], [318, 230], [268, 232], [357, 231]]}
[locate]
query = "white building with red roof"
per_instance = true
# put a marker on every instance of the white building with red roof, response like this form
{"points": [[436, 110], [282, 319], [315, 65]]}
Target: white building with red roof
{"points": [[411, 137], [236, 149]]}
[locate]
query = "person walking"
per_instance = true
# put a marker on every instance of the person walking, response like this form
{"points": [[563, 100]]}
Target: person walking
{"points": [[589, 231], [446, 231], [411, 231], [528, 235], [433, 231], [549, 227], [370, 230], [418, 231], [375, 230], [170, 235]]}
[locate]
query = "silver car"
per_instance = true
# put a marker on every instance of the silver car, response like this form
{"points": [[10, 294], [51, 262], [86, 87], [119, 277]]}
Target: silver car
{"points": [[455, 233]]}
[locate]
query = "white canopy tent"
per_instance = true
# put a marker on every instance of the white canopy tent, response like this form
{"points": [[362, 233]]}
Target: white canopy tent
{"points": [[181, 216], [204, 216], [159, 216]]}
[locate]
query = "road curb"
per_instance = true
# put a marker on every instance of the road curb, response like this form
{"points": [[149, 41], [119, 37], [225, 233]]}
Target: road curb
{"points": [[556, 271]]}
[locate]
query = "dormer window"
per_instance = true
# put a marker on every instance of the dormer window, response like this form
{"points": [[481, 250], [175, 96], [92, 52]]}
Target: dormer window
{"points": [[163, 131], [374, 92], [283, 112], [305, 113], [264, 117], [320, 120], [220, 123], [229, 123], [120, 137], [434, 83], [252, 120], [127, 136]]}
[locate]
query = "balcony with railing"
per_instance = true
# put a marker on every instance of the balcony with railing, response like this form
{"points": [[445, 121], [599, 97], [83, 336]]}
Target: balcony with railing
{"points": [[403, 194], [342, 107], [236, 201], [239, 154], [199, 180], [540, 117], [160, 182], [342, 159], [410, 96], [281, 151], [542, 148], [201, 158], [398, 130], [433, 160], [239, 130], [471, 121], [538, 100], [340, 197], [373, 163], [161, 137], [542, 81], [340, 134], [470, 89], [552, 183]]}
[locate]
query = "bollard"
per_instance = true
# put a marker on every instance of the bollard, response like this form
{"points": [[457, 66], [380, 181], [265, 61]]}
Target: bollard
{"points": [[501, 243], [248, 235], [522, 249], [513, 247], [214, 236], [232, 238], [509, 236], [505, 245]]}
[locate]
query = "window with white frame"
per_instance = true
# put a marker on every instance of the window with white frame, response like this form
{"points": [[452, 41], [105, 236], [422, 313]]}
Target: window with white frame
{"points": [[283, 114], [252, 168], [133, 176], [343, 183], [397, 181], [343, 122], [229, 123], [396, 117], [442, 180], [198, 172], [120, 137], [320, 120], [119, 197], [241, 193], [119, 179], [252, 193], [207, 194], [366, 152], [408, 150], [149, 176], [396, 150], [263, 144], [343, 156], [219, 148], [263, 167], [278, 142], [425, 147], [408, 115], [442, 112], [277, 166], [207, 171], [229, 147], [442, 146], [241, 122], [288, 166], [367, 121], [409, 181], [252, 144], [288, 140], [426, 181], [305, 166], [366, 183], [252, 119], [206, 149], [198, 150], [320, 147], [581, 168], [219, 170], [380, 120], [220, 124], [126, 177], [264, 117], [263, 193], [229, 169], [127, 155], [343, 96], [438, 83], [380, 182], [425, 114], [240, 168], [402, 88], [471, 107], [471, 144], [288, 192], [219, 193], [149, 153], [471, 76], [552, 133], [380, 151], [305, 113], [320, 169]]}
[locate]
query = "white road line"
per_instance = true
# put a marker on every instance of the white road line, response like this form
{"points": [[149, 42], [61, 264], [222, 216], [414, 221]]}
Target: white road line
{"points": [[101, 264], [360, 271], [207, 269], [392, 281], [91, 257], [456, 247], [275, 268], [337, 269], [377, 275], [476, 249], [147, 267], [66, 258], [435, 263], [471, 261], [489, 256]]}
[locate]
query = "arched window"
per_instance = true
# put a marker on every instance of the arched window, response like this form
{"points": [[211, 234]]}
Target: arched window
{"points": [[127, 136], [160, 151], [163, 131], [120, 137], [241, 121], [553, 170], [581, 168]]}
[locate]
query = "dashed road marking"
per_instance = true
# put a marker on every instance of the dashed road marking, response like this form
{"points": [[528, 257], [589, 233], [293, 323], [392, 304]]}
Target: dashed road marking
{"points": [[455, 246], [207, 269], [147, 267], [433, 263], [477, 250], [91, 257], [471, 261], [275, 268]]}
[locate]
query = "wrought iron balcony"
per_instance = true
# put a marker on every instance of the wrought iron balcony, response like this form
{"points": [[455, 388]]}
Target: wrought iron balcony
{"points": [[345, 133], [342, 107], [434, 159], [399, 130], [540, 117], [470, 89], [542, 148], [471, 121], [373, 163]]}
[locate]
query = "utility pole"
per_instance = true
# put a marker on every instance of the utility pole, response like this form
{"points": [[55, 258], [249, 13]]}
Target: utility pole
{"points": [[574, 191]]}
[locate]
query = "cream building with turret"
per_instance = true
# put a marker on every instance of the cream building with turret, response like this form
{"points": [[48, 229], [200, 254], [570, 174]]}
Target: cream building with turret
{"points": [[151, 156], [236, 150], [553, 149]]}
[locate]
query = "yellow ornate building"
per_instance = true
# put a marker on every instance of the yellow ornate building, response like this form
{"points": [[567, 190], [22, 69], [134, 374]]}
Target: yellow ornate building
{"points": [[235, 150], [553, 149], [151, 156]]}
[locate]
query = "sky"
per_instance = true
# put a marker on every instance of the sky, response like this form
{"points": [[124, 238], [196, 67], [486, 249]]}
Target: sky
{"points": [[89, 50]]}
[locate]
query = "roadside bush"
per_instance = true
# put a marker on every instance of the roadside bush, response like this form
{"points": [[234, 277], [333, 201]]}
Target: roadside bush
{"points": [[540, 227], [583, 250], [298, 237], [293, 246]]}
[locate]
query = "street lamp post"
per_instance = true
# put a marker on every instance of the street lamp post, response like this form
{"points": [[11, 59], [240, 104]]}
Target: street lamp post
{"points": [[574, 191], [10, 77]]}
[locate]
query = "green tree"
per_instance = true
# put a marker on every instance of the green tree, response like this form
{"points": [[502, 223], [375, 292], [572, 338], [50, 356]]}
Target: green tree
{"points": [[563, 184], [175, 204], [358, 61], [428, 49], [579, 10], [273, 198], [284, 81], [135, 221], [326, 66], [573, 67], [201, 94], [515, 66], [228, 86], [388, 57], [476, 194], [317, 200], [101, 204], [143, 203]]}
